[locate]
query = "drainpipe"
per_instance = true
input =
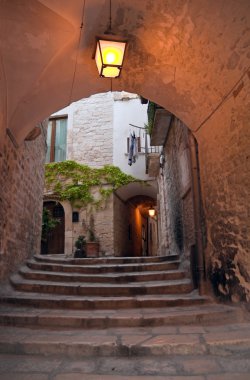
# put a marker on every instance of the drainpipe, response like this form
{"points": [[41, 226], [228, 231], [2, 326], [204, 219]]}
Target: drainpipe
{"points": [[197, 214], [146, 151]]}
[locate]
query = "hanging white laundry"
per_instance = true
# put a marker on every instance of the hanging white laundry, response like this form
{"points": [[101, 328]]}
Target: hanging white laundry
{"points": [[133, 149]]}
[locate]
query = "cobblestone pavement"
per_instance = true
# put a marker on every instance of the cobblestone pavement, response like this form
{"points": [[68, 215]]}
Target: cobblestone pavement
{"points": [[219, 352]]}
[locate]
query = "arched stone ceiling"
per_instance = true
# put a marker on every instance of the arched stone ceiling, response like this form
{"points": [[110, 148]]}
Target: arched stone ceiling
{"points": [[186, 55], [140, 189]]}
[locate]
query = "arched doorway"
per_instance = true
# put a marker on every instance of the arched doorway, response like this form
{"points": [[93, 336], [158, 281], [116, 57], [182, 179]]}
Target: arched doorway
{"points": [[144, 236], [135, 232], [54, 240]]}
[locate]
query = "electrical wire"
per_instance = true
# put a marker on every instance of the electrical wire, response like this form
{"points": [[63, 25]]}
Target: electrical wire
{"points": [[110, 15], [222, 101], [77, 51]]}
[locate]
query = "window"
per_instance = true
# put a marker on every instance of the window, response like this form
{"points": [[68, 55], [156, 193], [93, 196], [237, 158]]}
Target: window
{"points": [[56, 140], [75, 217]]}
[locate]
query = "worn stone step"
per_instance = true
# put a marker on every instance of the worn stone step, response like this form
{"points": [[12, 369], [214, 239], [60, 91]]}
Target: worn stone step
{"points": [[99, 269], [29, 274], [104, 260], [33, 317], [54, 301], [94, 289], [234, 366], [195, 346]]}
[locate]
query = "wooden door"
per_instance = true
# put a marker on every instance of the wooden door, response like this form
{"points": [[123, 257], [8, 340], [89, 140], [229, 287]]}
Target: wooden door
{"points": [[56, 236]]}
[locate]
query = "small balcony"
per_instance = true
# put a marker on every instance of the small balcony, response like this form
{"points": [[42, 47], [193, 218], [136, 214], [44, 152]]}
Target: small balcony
{"points": [[152, 157], [161, 125]]}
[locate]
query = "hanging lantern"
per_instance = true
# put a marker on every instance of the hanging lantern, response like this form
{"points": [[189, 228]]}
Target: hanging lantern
{"points": [[151, 212], [109, 55]]}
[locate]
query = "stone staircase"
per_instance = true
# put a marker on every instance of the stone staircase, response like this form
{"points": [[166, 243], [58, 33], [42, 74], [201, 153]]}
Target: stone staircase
{"points": [[107, 310], [105, 293]]}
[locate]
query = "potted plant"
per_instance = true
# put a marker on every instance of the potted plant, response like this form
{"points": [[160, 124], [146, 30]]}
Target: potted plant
{"points": [[80, 245], [92, 241]]}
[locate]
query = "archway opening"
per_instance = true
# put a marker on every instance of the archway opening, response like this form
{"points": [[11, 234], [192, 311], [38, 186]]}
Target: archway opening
{"points": [[135, 231], [143, 236]]}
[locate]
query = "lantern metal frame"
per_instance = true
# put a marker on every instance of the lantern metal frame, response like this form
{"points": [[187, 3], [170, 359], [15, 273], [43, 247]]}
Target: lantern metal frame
{"points": [[109, 38]]}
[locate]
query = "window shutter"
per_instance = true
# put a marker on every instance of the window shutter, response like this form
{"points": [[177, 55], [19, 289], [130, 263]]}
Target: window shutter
{"points": [[139, 144]]}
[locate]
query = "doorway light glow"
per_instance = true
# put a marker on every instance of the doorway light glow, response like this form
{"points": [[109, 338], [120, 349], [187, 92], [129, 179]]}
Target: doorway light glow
{"points": [[151, 212]]}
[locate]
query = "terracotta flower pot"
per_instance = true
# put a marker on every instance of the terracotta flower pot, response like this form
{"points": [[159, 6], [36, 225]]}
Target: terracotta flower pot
{"points": [[92, 248]]}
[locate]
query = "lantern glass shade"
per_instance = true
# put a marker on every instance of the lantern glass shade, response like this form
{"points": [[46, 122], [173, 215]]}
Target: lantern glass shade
{"points": [[151, 211], [109, 57]]}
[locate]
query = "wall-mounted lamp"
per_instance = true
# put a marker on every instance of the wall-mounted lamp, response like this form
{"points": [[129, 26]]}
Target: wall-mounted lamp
{"points": [[109, 52], [151, 212], [109, 55]]}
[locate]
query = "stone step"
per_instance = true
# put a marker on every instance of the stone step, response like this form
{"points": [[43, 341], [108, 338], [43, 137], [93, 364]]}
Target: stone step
{"points": [[94, 289], [104, 260], [29, 274], [234, 365], [200, 339], [100, 269], [53, 301], [33, 317]]}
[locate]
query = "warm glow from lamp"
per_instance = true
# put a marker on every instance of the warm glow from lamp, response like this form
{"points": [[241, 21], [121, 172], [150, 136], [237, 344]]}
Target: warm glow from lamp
{"points": [[109, 56], [151, 212]]}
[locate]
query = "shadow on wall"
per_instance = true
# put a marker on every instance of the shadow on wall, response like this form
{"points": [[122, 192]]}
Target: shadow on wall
{"points": [[178, 230]]}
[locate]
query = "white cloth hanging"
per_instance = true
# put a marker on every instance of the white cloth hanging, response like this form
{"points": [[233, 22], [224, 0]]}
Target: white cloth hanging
{"points": [[133, 149]]}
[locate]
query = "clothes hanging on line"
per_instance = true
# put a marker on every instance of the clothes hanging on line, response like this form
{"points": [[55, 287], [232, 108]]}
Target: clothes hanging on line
{"points": [[133, 149]]}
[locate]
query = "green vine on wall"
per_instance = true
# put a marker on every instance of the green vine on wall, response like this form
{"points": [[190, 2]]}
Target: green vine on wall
{"points": [[74, 182]]}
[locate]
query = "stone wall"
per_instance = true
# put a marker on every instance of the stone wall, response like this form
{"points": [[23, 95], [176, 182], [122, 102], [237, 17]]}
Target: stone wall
{"points": [[21, 193], [177, 233], [103, 225], [152, 237], [224, 146], [162, 217], [90, 138]]}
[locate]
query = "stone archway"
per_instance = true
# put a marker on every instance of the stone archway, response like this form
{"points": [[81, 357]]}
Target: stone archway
{"points": [[144, 234], [190, 57], [135, 234], [178, 52]]}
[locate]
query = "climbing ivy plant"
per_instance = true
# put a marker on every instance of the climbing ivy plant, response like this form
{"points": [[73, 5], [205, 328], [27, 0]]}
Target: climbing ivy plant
{"points": [[75, 182]]}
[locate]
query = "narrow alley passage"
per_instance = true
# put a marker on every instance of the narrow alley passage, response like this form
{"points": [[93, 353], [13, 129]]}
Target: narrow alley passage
{"points": [[124, 190]]}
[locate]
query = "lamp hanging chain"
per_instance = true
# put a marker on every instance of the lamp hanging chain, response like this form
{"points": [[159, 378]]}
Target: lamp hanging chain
{"points": [[110, 15], [109, 31]]}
